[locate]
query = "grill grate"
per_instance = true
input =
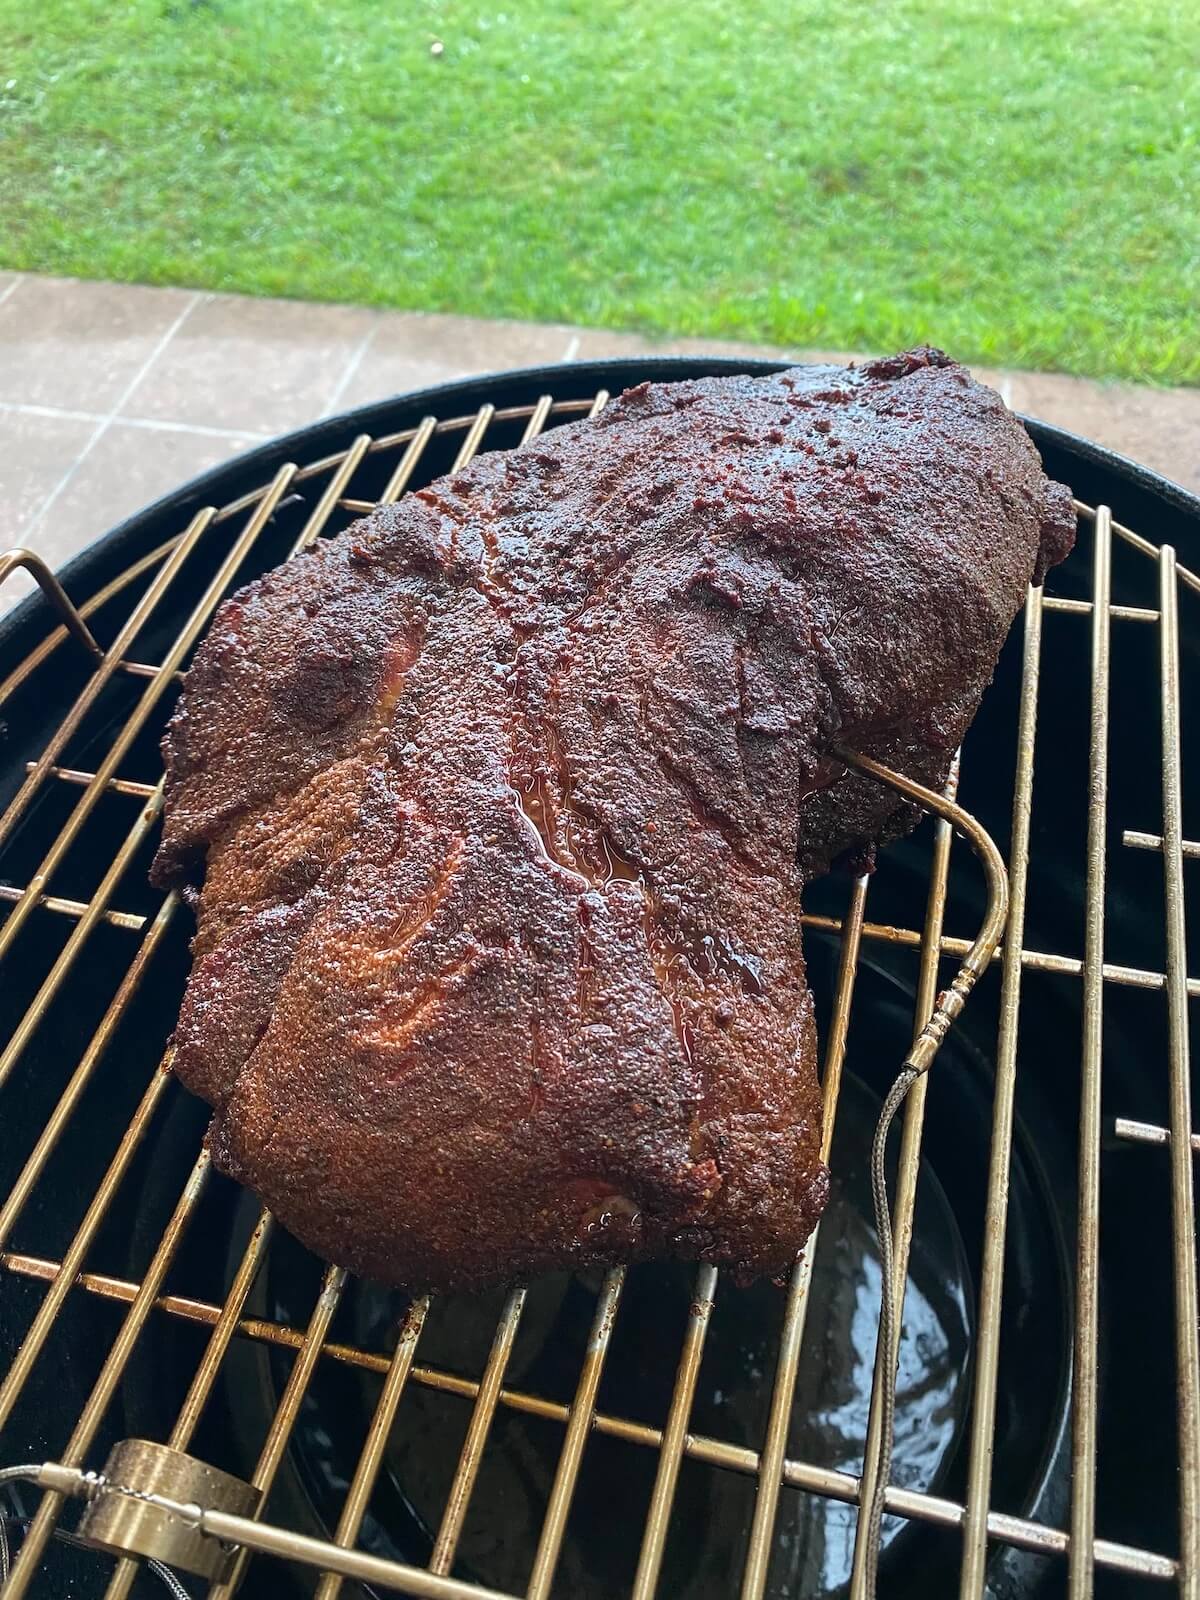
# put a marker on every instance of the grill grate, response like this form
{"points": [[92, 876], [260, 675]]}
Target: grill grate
{"points": [[127, 701]]}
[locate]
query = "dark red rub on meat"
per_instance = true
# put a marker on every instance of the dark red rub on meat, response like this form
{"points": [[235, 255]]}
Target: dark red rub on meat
{"points": [[506, 796]]}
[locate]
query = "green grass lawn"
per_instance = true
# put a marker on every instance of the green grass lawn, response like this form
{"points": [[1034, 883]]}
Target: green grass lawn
{"points": [[1018, 180]]}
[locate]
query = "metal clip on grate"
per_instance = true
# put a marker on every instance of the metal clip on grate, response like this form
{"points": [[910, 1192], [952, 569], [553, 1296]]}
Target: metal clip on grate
{"points": [[157, 1501]]}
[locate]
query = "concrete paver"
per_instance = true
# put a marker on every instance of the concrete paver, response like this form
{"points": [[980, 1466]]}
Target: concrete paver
{"points": [[37, 450], [253, 366], [601, 344], [78, 345], [1158, 427], [128, 468], [113, 394], [411, 351]]}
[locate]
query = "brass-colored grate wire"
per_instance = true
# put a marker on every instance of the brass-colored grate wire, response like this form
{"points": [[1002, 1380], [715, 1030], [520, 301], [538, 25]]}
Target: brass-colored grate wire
{"points": [[237, 530]]}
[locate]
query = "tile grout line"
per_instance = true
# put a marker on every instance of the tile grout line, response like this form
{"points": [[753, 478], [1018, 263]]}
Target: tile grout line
{"points": [[102, 427], [352, 366], [151, 424]]}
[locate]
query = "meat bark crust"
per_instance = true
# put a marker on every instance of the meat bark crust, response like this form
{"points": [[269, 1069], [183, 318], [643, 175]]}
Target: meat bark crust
{"points": [[506, 796]]}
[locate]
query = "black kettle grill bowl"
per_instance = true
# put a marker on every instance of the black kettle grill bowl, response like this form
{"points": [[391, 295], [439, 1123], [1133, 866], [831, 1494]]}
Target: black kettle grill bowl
{"points": [[1137, 1452]]}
